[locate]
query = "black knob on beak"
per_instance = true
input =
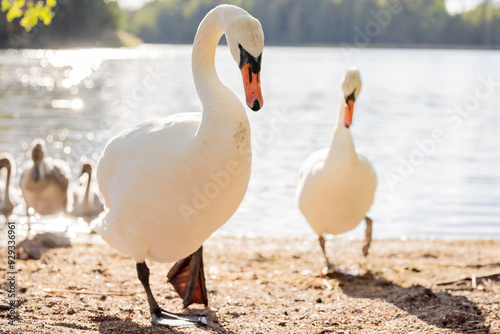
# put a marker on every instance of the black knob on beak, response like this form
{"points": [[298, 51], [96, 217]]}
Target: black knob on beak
{"points": [[256, 105]]}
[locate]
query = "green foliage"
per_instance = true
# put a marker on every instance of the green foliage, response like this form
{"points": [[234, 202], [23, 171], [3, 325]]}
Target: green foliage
{"points": [[75, 23], [29, 12]]}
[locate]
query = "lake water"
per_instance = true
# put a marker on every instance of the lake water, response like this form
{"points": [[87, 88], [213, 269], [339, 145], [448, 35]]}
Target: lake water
{"points": [[438, 164]]}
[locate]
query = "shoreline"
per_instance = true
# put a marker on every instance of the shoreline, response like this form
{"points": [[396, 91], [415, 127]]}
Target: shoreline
{"points": [[272, 285]]}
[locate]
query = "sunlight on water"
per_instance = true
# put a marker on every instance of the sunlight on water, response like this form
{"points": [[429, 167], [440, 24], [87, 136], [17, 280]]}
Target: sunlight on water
{"points": [[78, 99], [67, 104]]}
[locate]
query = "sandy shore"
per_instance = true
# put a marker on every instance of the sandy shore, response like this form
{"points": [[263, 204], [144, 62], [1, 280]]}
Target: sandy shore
{"points": [[270, 285]]}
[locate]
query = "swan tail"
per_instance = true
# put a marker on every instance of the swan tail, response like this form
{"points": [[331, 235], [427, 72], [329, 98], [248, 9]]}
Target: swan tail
{"points": [[188, 278]]}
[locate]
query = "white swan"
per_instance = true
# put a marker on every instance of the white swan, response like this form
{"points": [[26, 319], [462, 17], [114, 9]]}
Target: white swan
{"points": [[86, 201], [6, 202], [169, 184], [337, 185], [44, 182]]}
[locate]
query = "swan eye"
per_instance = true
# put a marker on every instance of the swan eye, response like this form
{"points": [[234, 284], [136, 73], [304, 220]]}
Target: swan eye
{"points": [[247, 58], [350, 97]]}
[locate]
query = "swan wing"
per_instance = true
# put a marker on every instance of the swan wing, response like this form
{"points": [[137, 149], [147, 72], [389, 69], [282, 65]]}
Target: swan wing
{"points": [[367, 164], [129, 151], [313, 164]]}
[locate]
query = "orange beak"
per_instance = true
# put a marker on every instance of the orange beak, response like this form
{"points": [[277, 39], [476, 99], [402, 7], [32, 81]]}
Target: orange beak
{"points": [[251, 82], [349, 110]]}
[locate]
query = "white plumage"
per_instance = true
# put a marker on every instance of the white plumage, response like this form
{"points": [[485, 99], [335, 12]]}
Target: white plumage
{"points": [[169, 184]]}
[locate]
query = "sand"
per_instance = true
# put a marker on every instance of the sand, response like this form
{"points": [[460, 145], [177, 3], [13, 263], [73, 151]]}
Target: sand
{"points": [[269, 285]]}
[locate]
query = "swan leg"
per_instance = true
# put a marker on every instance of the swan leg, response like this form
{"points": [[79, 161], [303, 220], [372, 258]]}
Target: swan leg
{"points": [[160, 317], [188, 278], [322, 243], [368, 236], [29, 219]]}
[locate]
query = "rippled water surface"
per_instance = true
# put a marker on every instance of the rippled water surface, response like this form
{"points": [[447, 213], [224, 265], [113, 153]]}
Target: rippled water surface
{"points": [[446, 187]]}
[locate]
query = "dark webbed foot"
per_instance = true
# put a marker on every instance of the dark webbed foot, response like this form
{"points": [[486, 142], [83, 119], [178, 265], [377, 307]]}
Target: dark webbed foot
{"points": [[160, 317], [168, 319], [188, 279]]}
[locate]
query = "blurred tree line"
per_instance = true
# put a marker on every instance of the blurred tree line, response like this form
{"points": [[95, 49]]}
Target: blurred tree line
{"points": [[285, 22], [292, 22]]}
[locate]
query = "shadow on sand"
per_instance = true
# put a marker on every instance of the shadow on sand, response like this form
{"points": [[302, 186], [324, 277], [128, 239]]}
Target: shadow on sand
{"points": [[440, 309], [111, 324]]}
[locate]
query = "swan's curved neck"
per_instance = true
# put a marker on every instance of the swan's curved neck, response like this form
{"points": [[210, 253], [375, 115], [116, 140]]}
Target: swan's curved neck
{"points": [[87, 189], [342, 143], [212, 93], [203, 57], [205, 43], [7, 187]]}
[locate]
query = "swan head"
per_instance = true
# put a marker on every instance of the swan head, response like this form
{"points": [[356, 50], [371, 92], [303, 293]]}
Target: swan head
{"points": [[37, 151], [245, 39], [6, 161], [87, 168], [37, 155], [351, 87]]}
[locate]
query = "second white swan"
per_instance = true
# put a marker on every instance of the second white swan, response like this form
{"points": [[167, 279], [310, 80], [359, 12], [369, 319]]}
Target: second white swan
{"points": [[337, 185]]}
